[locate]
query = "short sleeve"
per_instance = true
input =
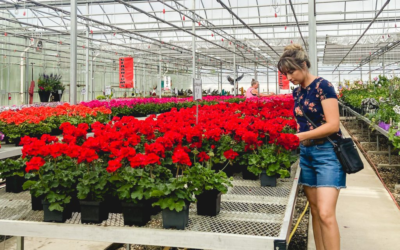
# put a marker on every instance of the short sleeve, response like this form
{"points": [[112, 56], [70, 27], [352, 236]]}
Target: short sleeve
{"points": [[326, 90]]}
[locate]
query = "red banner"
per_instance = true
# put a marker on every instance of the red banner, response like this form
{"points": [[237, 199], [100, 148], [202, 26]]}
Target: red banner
{"points": [[283, 81], [126, 72]]}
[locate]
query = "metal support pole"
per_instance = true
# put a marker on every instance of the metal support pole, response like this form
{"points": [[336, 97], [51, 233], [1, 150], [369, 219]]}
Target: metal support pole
{"points": [[268, 80], [8, 69], [361, 76], [144, 81], [73, 54], [383, 65], [221, 75], [377, 142], [255, 72], [87, 59], [370, 80], [20, 243], [159, 71], [194, 56], [234, 68], [276, 84], [312, 37], [92, 76]]}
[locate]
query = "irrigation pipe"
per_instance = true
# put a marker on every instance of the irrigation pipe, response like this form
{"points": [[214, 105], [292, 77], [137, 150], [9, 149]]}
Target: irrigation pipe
{"points": [[298, 222]]}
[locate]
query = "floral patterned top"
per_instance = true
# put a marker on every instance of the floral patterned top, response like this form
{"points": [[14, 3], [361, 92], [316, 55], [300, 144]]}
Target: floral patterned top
{"points": [[311, 98]]}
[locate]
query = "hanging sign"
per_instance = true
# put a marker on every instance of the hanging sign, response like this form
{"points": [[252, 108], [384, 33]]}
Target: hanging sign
{"points": [[283, 81], [167, 82], [107, 91], [126, 72], [197, 89], [83, 91]]}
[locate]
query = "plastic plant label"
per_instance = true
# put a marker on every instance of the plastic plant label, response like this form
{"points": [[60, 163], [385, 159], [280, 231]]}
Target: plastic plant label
{"points": [[107, 90], [197, 89]]}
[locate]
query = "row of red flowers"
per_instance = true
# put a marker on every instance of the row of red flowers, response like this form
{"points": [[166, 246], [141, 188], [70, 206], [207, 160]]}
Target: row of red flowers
{"points": [[225, 133]]}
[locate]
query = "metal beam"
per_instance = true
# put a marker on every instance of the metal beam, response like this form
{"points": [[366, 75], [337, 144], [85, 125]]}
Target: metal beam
{"points": [[297, 23], [73, 68], [245, 24], [380, 11]]}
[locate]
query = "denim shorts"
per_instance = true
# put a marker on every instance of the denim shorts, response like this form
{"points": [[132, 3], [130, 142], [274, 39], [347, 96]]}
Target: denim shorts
{"points": [[320, 167]]}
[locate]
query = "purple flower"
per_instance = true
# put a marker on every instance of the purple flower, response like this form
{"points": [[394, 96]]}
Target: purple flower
{"points": [[1, 136], [397, 133]]}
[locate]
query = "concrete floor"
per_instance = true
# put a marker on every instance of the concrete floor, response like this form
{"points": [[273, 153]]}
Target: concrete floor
{"points": [[51, 244], [368, 218]]}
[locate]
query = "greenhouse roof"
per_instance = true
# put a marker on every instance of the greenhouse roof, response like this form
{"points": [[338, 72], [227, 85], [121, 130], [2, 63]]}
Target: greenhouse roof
{"points": [[256, 31]]}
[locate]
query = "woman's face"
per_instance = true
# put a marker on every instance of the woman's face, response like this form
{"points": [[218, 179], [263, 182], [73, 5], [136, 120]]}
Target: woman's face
{"points": [[296, 76]]}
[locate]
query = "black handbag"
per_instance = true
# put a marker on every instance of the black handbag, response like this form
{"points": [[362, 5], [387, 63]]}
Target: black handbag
{"points": [[345, 150]]}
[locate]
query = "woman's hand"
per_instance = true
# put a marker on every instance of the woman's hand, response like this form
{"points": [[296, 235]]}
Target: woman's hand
{"points": [[301, 138]]}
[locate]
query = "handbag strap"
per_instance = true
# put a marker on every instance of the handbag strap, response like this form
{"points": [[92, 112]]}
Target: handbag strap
{"points": [[309, 120]]}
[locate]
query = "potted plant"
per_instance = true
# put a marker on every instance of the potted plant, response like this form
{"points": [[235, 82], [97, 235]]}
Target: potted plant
{"points": [[56, 183], [210, 186], [134, 184], [93, 187], [58, 87], [270, 160], [13, 172], [45, 87], [175, 194]]}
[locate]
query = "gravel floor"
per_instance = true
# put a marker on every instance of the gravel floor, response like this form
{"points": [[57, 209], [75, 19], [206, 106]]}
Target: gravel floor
{"points": [[390, 176], [300, 237]]}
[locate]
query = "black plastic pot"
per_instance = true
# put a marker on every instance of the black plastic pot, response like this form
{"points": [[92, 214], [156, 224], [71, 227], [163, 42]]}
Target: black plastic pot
{"points": [[247, 175], [153, 210], [267, 181], [56, 97], [44, 96], [93, 211], [75, 205], [36, 203], [55, 216], [174, 219], [56, 131], [209, 203], [136, 214], [14, 184], [113, 204]]}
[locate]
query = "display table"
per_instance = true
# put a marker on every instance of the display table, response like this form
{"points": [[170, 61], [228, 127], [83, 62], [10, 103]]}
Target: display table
{"points": [[252, 217]]}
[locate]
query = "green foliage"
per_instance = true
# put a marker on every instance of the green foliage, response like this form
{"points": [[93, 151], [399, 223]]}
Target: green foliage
{"points": [[55, 181], [93, 185], [10, 167], [135, 184], [204, 179], [101, 97], [17, 131], [271, 158]]}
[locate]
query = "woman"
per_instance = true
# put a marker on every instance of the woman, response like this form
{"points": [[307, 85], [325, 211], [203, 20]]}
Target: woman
{"points": [[321, 173], [253, 90]]}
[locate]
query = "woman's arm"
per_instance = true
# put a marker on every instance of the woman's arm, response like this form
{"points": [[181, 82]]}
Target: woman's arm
{"points": [[254, 92], [332, 125]]}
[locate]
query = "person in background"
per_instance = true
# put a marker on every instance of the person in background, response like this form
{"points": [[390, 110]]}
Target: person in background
{"points": [[253, 90]]}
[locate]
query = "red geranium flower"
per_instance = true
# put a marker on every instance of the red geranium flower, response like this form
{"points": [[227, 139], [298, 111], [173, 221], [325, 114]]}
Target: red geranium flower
{"points": [[48, 138], [87, 155], [230, 154], [203, 156], [156, 148], [151, 159], [181, 157], [138, 161], [34, 164], [113, 166]]}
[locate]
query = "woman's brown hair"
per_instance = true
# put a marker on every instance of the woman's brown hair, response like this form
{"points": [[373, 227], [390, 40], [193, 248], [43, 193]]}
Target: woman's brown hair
{"points": [[253, 82], [293, 58]]}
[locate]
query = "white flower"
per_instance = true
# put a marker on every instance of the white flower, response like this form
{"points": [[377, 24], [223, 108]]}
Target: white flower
{"points": [[396, 109]]}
